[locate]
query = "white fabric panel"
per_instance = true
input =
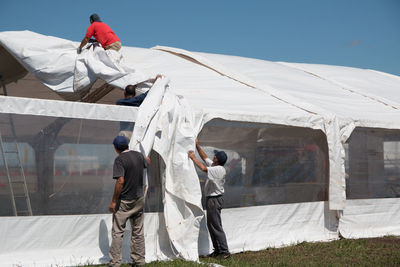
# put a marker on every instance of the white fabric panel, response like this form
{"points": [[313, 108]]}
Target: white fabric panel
{"points": [[349, 93], [182, 201], [50, 59], [361, 81], [83, 239], [73, 240], [167, 121], [41, 107], [145, 127], [237, 76], [95, 62], [46, 240], [256, 228], [366, 218]]}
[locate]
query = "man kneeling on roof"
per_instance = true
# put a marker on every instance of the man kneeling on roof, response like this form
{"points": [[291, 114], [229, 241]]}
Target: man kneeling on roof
{"points": [[102, 33], [133, 100]]}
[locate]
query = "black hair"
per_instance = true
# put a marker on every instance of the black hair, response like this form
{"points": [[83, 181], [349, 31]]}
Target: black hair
{"points": [[95, 18], [130, 90], [221, 157]]}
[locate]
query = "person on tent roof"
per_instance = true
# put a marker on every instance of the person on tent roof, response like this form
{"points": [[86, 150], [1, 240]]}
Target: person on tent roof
{"points": [[132, 100], [214, 191], [102, 33]]}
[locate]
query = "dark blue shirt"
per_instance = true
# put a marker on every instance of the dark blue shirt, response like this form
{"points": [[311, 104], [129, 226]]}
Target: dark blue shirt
{"points": [[135, 101]]}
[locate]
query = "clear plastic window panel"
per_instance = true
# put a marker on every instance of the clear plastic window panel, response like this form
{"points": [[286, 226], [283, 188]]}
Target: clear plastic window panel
{"points": [[268, 164], [373, 164], [67, 164]]}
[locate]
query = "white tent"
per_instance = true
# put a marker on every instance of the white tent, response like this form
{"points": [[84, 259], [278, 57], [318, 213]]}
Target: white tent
{"points": [[313, 149]]}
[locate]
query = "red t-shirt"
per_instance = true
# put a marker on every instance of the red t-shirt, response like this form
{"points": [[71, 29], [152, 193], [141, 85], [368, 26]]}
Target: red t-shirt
{"points": [[102, 33]]}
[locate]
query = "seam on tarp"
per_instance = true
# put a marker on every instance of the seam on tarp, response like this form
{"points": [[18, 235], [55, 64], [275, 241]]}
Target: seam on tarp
{"points": [[197, 59], [346, 87]]}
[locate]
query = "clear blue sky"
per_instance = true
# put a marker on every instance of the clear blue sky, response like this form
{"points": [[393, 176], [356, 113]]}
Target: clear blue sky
{"points": [[357, 33]]}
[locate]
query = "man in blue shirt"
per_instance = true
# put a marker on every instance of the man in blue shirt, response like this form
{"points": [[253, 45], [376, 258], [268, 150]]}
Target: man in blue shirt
{"points": [[130, 99]]}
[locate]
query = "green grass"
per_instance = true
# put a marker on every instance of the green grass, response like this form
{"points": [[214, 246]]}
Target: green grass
{"points": [[345, 252]]}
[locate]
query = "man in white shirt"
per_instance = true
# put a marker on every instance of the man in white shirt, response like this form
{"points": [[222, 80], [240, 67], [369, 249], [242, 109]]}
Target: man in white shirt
{"points": [[214, 191]]}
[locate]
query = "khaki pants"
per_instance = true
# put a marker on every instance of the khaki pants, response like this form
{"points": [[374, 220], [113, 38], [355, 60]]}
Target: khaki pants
{"points": [[134, 211], [114, 46]]}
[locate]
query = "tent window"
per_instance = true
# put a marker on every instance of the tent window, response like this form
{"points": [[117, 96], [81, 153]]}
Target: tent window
{"points": [[67, 163], [269, 164], [373, 164]]}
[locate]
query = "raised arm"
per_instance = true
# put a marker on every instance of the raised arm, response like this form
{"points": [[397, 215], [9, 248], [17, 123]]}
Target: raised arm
{"points": [[197, 162], [153, 80], [202, 154]]}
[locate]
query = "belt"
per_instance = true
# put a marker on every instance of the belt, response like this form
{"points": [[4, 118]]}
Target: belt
{"points": [[214, 196]]}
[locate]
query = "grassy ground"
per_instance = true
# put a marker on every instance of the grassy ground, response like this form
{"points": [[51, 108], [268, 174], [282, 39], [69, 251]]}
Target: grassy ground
{"points": [[359, 252]]}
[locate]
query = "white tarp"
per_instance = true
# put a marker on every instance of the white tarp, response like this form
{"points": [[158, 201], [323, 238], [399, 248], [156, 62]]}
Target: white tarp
{"points": [[96, 63], [56, 64], [166, 124], [31, 106], [366, 218]]}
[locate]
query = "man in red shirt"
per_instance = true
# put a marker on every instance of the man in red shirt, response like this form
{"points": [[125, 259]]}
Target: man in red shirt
{"points": [[102, 33]]}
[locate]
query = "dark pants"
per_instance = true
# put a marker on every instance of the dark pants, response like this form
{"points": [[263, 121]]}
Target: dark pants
{"points": [[214, 224]]}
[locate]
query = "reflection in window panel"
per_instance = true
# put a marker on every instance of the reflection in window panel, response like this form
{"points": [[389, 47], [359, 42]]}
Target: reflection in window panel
{"points": [[67, 163], [268, 164], [373, 164]]}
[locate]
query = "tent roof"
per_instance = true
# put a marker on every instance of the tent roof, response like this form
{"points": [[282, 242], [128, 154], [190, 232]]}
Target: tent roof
{"points": [[238, 86]]}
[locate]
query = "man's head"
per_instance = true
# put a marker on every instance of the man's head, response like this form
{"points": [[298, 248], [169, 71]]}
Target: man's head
{"points": [[121, 143], [220, 158], [130, 91], [94, 18]]}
